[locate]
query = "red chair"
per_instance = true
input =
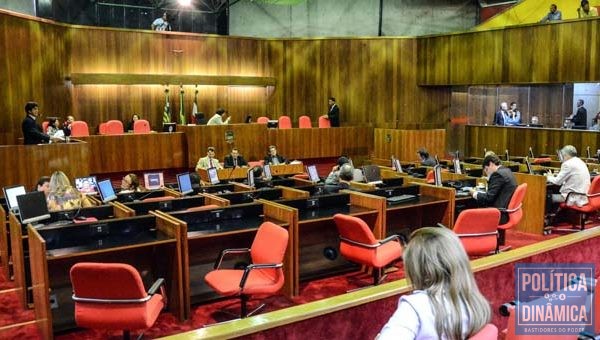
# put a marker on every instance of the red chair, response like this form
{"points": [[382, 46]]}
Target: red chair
{"points": [[477, 230], [256, 163], [324, 122], [112, 296], [141, 126], [514, 211], [358, 244], [592, 206], [263, 276], [285, 122], [262, 120], [511, 331], [102, 128], [79, 128], [304, 122], [488, 332], [202, 208], [158, 199], [114, 127], [45, 126]]}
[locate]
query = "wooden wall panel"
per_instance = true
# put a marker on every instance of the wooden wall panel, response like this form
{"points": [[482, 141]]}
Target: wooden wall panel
{"points": [[403, 144]]}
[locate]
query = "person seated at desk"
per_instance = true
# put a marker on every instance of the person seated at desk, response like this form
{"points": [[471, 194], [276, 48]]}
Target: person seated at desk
{"points": [[513, 116], [574, 176], [445, 303], [273, 158], [553, 15], [131, 122], [585, 11], [234, 160], [501, 186], [334, 176], [130, 183], [63, 196], [345, 176], [54, 129], [425, 158], [209, 161], [43, 184], [217, 118], [32, 132]]}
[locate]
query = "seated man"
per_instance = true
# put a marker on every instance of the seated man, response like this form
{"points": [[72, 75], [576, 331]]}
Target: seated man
{"points": [[574, 176], [234, 160], [501, 186], [426, 159], [345, 176], [273, 158], [334, 176], [209, 161]]}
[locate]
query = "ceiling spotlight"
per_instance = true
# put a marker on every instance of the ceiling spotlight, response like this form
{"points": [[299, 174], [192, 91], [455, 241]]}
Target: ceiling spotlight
{"points": [[185, 2]]}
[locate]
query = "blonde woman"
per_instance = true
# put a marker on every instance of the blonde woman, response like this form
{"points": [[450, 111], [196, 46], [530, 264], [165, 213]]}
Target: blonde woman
{"points": [[446, 303], [63, 196]]}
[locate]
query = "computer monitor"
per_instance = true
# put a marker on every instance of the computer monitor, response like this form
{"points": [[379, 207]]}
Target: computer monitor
{"points": [[313, 174], [372, 173], [106, 190], [11, 193], [397, 166], [185, 183], [86, 185], [154, 180], [267, 172], [213, 177], [456, 163], [437, 175], [169, 127], [250, 176], [528, 165], [507, 155], [33, 207], [272, 124]]}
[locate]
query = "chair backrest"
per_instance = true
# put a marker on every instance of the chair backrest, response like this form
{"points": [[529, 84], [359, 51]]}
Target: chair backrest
{"points": [[256, 163], [594, 192], [106, 281], [202, 208], [158, 199], [79, 128], [114, 127], [479, 228], [516, 201], [262, 120], [511, 331], [45, 126], [324, 122], [269, 244], [141, 126], [354, 229], [102, 128], [488, 332], [304, 122], [285, 122]]}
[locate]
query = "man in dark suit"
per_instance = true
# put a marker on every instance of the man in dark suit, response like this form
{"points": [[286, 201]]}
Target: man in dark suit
{"points": [[501, 186], [234, 160], [580, 117], [32, 132], [273, 158], [501, 115], [334, 113]]}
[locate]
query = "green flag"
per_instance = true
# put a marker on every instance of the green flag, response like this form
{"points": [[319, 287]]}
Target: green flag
{"points": [[167, 110], [182, 120]]}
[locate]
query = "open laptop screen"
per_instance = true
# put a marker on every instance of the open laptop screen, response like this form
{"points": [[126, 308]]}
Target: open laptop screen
{"points": [[153, 180], [107, 192], [313, 175], [267, 172], [397, 165], [86, 185], [371, 173], [11, 193], [33, 207], [213, 176], [185, 183]]}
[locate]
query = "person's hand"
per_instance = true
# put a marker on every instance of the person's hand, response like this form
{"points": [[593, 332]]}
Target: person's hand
{"points": [[549, 173], [335, 168]]}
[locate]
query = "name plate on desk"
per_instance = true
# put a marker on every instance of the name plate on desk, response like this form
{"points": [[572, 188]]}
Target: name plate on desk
{"points": [[287, 169]]}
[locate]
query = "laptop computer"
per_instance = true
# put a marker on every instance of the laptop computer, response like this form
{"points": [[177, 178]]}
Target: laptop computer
{"points": [[153, 180], [267, 172], [184, 182], [86, 185], [213, 177], [372, 174], [313, 174], [33, 207], [11, 193], [106, 190]]}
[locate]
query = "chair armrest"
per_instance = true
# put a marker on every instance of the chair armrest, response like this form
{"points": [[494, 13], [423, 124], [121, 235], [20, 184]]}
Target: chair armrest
{"points": [[392, 238], [441, 225], [478, 234], [229, 251], [510, 211], [155, 286], [364, 245], [256, 266], [575, 193]]}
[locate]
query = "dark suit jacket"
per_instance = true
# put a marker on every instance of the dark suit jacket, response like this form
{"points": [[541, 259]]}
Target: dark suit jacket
{"points": [[269, 159], [501, 186], [498, 118], [228, 161], [32, 132], [334, 115], [580, 118]]}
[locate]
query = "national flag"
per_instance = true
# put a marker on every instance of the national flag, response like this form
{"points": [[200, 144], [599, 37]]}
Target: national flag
{"points": [[167, 110], [182, 120]]}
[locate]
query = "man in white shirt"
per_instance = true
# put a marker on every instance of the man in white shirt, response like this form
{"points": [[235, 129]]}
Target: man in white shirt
{"points": [[209, 161], [161, 24], [217, 119], [574, 176]]}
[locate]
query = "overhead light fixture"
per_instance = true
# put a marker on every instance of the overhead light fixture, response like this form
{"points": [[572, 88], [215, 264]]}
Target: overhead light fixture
{"points": [[185, 2]]}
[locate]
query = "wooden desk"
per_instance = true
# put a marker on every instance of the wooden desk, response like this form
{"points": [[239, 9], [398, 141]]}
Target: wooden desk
{"points": [[225, 174], [4, 252], [154, 253]]}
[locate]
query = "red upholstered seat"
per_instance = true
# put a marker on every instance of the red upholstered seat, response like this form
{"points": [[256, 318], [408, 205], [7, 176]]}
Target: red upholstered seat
{"points": [[514, 211], [263, 276], [304, 122], [112, 296], [102, 128], [511, 331], [541, 160], [79, 128], [158, 199], [141, 126], [488, 332], [478, 230], [324, 122], [45, 126], [592, 206], [114, 127], [285, 122], [358, 244], [256, 163], [262, 120], [202, 208]]}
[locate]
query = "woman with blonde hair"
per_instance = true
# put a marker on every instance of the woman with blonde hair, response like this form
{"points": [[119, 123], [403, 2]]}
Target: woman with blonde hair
{"points": [[446, 303], [63, 196]]}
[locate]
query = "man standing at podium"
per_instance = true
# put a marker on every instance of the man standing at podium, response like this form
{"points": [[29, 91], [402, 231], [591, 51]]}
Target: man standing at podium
{"points": [[32, 132], [209, 161]]}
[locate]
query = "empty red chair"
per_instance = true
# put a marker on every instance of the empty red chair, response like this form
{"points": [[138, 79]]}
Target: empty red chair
{"points": [[477, 230], [141, 126], [45, 126], [358, 244], [304, 122], [102, 128], [593, 205], [488, 332], [285, 122], [514, 211], [262, 120], [256, 163], [79, 128], [114, 127], [324, 122], [112, 296], [263, 276]]}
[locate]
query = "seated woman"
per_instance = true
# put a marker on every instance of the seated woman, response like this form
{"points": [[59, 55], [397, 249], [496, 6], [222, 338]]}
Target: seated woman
{"points": [[130, 183], [63, 196], [132, 122], [446, 303], [54, 129]]}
